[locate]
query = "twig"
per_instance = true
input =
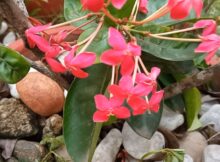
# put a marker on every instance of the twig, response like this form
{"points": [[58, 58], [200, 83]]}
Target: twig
{"points": [[195, 80]]}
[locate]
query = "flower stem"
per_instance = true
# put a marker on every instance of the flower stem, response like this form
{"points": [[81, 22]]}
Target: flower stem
{"points": [[92, 36], [135, 69], [110, 16], [74, 20], [143, 66], [175, 39], [159, 13], [176, 31], [95, 137]]}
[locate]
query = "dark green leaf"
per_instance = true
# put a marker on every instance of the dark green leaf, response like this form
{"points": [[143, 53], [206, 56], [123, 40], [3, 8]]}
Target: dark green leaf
{"points": [[145, 125], [166, 49], [13, 67], [79, 109], [192, 99]]}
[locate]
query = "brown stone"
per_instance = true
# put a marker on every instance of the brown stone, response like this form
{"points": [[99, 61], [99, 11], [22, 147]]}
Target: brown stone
{"points": [[41, 94]]}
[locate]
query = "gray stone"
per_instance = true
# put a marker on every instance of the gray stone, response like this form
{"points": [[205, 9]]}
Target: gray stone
{"points": [[194, 143], [16, 119], [187, 158], [212, 153], [9, 38], [171, 120], [29, 151], [212, 116], [137, 146], [53, 125], [108, 147], [3, 27]]}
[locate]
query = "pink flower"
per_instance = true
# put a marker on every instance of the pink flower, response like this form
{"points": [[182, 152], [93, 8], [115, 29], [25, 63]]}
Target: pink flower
{"points": [[118, 3], [121, 52], [107, 107], [140, 105], [92, 5], [143, 6], [210, 44], [34, 38], [208, 25], [180, 9], [150, 79], [125, 89], [75, 64]]}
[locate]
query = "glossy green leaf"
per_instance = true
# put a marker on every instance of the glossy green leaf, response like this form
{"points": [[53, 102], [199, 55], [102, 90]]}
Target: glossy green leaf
{"points": [[192, 99], [79, 109], [145, 125], [168, 50], [13, 67], [72, 10]]}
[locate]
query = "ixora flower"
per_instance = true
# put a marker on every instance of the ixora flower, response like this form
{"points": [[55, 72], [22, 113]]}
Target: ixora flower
{"points": [[74, 64], [140, 105], [210, 44], [180, 9], [150, 79], [208, 25], [107, 107], [97, 5], [143, 6], [122, 53], [126, 89]]}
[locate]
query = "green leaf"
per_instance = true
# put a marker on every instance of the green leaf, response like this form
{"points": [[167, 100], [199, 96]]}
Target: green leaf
{"points": [[73, 10], [13, 67], [99, 44], [79, 109], [192, 99], [145, 125], [168, 50]]}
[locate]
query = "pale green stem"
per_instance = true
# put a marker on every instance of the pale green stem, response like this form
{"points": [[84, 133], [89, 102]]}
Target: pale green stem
{"points": [[95, 138], [74, 20], [93, 36], [176, 31], [135, 69], [175, 39], [143, 66]]}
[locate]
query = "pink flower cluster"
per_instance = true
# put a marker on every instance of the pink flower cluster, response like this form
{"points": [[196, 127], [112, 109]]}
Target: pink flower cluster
{"points": [[134, 92], [53, 48]]}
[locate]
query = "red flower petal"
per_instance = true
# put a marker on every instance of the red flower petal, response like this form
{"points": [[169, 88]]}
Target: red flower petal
{"points": [[116, 39], [121, 112], [134, 49], [209, 25], [126, 83], [156, 98], [143, 6], [100, 116], [116, 102], [92, 5], [111, 57], [101, 102], [77, 72], [117, 91], [197, 5], [55, 65], [181, 9], [127, 65], [138, 105], [155, 71], [83, 60], [118, 3]]}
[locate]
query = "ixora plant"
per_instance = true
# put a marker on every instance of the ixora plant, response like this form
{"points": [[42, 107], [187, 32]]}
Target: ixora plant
{"points": [[117, 60]]}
